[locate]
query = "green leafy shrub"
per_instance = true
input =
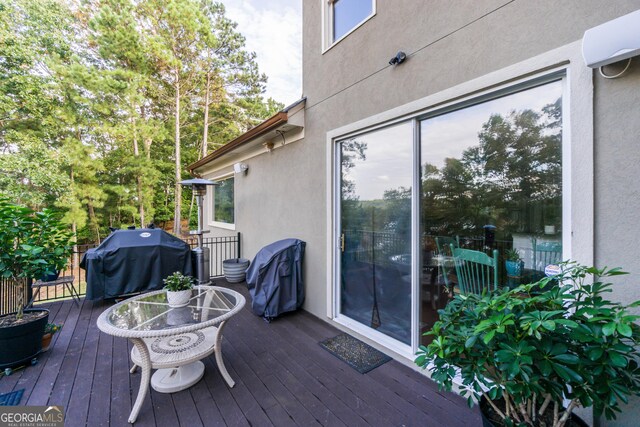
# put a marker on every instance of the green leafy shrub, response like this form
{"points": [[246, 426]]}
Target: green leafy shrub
{"points": [[31, 243], [527, 349]]}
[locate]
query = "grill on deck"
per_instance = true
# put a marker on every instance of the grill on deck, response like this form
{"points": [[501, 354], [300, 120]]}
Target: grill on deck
{"points": [[131, 261]]}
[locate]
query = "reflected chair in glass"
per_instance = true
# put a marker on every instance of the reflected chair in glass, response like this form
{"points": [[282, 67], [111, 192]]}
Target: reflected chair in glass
{"points": [[545, 253], [477, 272], [445, 256]]}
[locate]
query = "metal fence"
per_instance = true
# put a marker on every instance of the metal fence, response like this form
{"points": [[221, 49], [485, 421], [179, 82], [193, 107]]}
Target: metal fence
{"points": [[221, 248]]}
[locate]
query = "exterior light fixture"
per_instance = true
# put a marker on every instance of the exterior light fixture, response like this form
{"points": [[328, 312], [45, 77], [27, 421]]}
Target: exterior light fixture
{"points": [[240, 168], [199, 188], [398, 59]]}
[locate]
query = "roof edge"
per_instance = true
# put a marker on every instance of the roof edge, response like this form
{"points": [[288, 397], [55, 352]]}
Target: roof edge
{"points": [[269, 124], [264, 127]]}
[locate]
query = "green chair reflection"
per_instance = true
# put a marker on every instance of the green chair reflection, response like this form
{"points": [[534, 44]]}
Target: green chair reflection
{"points": [[445, 256], [476, 270], [545, 253]]}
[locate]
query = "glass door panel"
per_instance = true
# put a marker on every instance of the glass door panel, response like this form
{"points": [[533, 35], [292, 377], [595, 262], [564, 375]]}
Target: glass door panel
{"points": [[375, 230], [490, 178]]}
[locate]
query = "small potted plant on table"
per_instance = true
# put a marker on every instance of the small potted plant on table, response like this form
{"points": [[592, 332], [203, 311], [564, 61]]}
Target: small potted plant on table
{"points": [[523, 352], [178, 288]]}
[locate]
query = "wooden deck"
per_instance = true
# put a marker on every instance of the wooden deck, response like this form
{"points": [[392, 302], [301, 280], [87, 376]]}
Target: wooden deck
{"points": [[283, 378]]}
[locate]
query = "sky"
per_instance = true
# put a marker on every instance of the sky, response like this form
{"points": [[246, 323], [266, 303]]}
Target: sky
{"points": [[389, 152], [273, 30]]}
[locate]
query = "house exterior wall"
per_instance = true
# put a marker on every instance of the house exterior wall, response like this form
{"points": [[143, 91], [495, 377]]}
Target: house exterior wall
{"points": [[345, 85], [285, 193]]}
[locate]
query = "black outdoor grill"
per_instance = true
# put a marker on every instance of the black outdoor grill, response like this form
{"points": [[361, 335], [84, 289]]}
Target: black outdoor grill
{"points": [[131, 261]]}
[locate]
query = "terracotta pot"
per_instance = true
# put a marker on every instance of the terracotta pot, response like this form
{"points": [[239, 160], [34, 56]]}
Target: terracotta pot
{"points": [[46, 341]]}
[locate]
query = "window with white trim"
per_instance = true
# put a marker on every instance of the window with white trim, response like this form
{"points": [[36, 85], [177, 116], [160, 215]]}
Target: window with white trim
{"points": [[341, 17], [223, 201]]}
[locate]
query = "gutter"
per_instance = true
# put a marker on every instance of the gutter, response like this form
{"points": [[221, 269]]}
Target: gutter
{"points": [[273, 122]]}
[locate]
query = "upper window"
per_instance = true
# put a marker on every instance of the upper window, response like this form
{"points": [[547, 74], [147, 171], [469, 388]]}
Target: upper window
{"points": [[344, 16], [223, 202]]}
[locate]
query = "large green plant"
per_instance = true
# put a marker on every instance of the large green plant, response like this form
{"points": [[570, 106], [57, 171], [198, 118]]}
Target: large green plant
{"points": [[31, 243], [528, 349]]}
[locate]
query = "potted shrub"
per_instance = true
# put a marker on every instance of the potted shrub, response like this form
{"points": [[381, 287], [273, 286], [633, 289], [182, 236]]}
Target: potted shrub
{"points": [[178, 288], [49, 330], [523, 352], [513, 263], [27, 238]]}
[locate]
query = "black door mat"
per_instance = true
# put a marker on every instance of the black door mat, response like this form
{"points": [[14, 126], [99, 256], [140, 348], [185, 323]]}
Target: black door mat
{"points": [[12, 398], [360, 356]]}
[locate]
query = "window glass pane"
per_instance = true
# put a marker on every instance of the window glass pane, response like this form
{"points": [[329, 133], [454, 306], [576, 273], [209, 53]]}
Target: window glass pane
{"points": [[375, 199], [349, 13], [223, 201], [491, 178]]}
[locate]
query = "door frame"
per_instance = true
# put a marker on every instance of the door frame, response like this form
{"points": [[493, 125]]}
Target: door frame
{"points": [[578, 155], [393, 344]]}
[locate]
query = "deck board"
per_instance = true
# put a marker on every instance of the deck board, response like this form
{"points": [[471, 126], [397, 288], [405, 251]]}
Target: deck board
{"points": [[283, 378]]}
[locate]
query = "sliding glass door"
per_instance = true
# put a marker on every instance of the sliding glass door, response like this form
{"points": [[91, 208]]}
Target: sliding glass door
{"points": [[375, 230], [483, 175]]}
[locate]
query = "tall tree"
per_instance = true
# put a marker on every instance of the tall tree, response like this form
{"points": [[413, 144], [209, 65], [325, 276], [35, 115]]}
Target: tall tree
{"points": [[104, 102]]}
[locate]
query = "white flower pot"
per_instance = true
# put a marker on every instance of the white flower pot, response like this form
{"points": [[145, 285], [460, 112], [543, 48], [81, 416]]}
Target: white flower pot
{"points": [[179, 298]]}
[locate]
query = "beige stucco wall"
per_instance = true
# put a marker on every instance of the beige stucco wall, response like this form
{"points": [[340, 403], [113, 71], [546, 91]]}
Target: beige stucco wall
{"points": [[617, 189], [284, 193]]}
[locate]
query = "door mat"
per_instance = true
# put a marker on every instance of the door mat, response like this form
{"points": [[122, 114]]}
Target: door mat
{"points": [[360, 356], [12, 398]]}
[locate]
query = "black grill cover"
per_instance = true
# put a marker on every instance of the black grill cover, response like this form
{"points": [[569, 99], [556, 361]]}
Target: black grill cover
{"points": [[274, 278], [130, 261]]}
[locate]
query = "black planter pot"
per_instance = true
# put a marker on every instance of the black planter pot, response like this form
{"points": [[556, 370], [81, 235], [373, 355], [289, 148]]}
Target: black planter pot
{"points": [[21, 343], [50, 277], [574, 420]]}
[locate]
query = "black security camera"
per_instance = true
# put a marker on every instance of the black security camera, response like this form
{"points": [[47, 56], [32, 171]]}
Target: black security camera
{"points": [[398, 59]]}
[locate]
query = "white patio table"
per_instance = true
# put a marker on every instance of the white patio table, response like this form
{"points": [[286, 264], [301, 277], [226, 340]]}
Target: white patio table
{"points": [[172, 340]]}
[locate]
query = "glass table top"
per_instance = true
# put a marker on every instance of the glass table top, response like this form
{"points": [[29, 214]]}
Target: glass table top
{"points": [[151, 312]]}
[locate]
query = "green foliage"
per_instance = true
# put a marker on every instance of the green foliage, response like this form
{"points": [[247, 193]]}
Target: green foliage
{"points": [[31, 243], [512, 255], [178, 282], [556, 339], [87, 103], [52, 328], [510, 178]]}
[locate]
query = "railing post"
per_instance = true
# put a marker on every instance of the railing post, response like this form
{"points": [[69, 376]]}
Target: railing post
{"points": [[239, 247]]}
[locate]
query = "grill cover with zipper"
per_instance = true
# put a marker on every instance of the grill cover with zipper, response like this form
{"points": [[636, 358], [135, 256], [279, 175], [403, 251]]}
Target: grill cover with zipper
{"points": [[274, 278], [130, 261]]}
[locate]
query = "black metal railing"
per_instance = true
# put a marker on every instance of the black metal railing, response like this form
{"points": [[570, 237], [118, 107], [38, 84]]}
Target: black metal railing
{"points": [[221, 248]]}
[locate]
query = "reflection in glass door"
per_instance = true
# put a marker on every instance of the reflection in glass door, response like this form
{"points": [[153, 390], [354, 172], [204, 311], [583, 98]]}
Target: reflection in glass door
{"points": [[375, 230], [490, 179]]}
